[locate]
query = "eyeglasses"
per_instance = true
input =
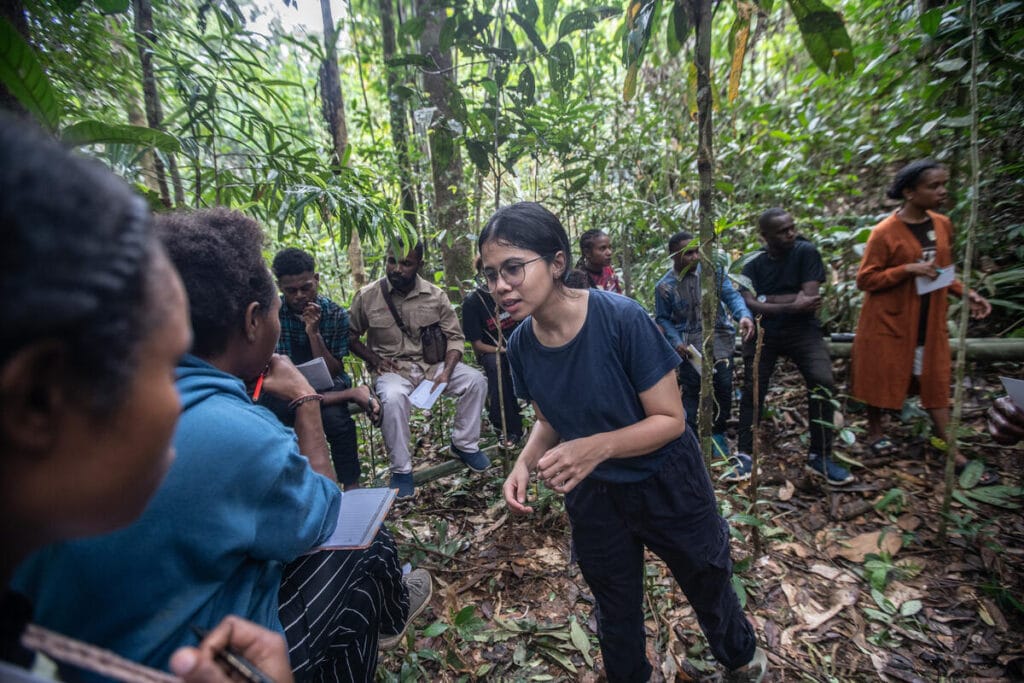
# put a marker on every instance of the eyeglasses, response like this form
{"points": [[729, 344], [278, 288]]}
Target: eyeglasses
{"points": [[512, 272]]}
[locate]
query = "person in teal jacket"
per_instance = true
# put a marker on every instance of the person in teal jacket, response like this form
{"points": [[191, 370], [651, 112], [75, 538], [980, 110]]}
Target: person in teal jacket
{"points": [[231, 528]]}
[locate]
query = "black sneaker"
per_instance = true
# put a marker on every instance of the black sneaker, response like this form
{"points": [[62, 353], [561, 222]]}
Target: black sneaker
{"points": [[829, 470]]}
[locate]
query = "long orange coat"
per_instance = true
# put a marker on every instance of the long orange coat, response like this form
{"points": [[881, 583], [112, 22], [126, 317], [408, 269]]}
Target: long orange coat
{"points": [[883, 349]]}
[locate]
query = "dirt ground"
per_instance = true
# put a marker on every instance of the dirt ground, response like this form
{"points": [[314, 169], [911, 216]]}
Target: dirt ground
{"points": [[852, 583]]}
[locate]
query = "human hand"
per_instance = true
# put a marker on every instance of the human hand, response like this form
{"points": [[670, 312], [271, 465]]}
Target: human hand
{"points": [[1006, 421], [746, 329], [382, 365], [924, 269], [265, 649], [568, 463], [441, 377], [804, 302], [683, 350], [515, 488], [283, 379], [311, 318], [980, 307]]}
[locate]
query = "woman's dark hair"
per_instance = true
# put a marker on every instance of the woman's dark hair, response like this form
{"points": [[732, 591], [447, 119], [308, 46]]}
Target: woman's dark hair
{"points": [[292, 261], [219, 255], [528, 225], [586, 241], [77, 251], [908, 177], [678, 239]]}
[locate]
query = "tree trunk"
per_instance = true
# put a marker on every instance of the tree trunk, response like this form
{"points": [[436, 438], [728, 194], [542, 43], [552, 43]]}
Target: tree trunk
{"points": [[334, 117], [136, 117], [399, 115], [451, 212], [145, 39], [708, 239]]}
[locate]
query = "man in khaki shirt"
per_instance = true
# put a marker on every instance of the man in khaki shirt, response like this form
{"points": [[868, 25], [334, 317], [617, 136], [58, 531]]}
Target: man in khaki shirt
{"points": [[396, 360]]}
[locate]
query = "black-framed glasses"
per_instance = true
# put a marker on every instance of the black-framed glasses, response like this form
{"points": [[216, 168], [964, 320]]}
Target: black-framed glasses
{"points": [[512, 272]]}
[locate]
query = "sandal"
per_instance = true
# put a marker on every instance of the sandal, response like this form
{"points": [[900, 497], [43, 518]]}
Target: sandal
{"points": [[883, 447], [989, 476]]}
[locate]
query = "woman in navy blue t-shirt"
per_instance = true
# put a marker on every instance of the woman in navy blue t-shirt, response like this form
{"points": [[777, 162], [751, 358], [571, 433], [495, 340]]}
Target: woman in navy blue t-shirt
{"points": [[610, 434]]}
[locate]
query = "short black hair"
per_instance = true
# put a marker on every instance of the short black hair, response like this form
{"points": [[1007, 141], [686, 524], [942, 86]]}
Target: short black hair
{"points": [[218, 253], [769, 217], [292, 261], [676, 240], [528, 225], [908, 177], [77, 251]]}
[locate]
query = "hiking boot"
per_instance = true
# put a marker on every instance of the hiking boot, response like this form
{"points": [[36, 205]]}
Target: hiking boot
{"points": [[403, 482], [752, 672], [739, 469], [476, 461], [833, 473], [420, 588]]}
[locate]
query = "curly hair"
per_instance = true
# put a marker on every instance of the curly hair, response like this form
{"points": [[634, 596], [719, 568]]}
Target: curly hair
{"points": [[74, 267], [218, 253], [587, 240], [908, 177], [292, 261]]}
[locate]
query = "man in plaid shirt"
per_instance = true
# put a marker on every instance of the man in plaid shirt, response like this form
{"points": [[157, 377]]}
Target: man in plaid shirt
{"points": [[313, 326]]}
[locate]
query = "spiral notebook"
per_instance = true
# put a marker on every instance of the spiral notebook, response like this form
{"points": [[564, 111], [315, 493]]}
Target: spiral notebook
{"points": [[361, 513]]}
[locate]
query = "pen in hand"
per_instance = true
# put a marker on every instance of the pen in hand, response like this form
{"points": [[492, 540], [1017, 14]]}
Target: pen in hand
{"points": [[233, 662]]}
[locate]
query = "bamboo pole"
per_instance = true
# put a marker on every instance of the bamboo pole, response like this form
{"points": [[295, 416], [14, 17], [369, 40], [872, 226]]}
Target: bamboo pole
{"points": [[965, 307]]}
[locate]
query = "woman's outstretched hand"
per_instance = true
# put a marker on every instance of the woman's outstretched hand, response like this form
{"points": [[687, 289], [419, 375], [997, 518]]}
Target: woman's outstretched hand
{"points": [[515, 488], [568, 463]]}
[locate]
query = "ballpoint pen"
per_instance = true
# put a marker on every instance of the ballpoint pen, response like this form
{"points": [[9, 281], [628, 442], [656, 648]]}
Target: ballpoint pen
{"points": [[233, 662]]}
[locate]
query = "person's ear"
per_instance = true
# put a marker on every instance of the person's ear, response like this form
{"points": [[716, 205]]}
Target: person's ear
{"points": [[316, 279], [33, 395], [253, 320], [558, 265]]}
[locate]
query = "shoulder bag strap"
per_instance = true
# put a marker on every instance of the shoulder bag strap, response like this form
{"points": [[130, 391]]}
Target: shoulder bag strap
{"points": [[391, 307]]}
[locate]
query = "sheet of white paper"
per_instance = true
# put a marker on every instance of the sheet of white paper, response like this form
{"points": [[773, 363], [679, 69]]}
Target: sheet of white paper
{"points": [[1015, 388], [944, 279], [423, 397], [695, 358], [316, 372]]}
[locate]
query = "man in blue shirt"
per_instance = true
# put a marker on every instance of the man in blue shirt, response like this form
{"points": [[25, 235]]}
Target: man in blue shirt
{"points": [[313, 326], [677, 310]]}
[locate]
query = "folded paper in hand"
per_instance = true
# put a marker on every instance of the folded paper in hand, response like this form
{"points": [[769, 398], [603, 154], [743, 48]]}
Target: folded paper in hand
{"points": [[694, 358], [424, 395], [943, 279], [317, 373]]}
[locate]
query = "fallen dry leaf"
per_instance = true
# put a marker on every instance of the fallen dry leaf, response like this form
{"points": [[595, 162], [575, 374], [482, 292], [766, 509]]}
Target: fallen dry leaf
{"points": [[786, 491], [873, 542]]}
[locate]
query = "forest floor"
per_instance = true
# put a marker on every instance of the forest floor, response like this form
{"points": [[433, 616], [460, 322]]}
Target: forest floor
{"points": [[852, 583]]}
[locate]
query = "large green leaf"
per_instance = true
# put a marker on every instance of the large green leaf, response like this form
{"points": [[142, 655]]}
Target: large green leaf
{"points": [[96, 132], [584, 19], [530, 30], [527, 85], [529, 10], [639, 21], [549, 11], [21, 72], [561, 67], [678, 26], [824, 35]]}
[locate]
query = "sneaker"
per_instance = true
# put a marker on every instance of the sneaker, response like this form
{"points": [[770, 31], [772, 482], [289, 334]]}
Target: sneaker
{"points": [[476, 461], [420, 589], [751, 672], [403, 482], [740, 466], [833, 473]]}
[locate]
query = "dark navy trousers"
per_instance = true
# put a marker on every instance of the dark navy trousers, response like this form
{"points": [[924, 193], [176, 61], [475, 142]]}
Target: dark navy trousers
{"points": [[513, 420], [673, 513]]}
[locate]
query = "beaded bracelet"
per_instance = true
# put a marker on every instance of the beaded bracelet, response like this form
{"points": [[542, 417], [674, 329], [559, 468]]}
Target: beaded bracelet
{"points": [[304, 399]]}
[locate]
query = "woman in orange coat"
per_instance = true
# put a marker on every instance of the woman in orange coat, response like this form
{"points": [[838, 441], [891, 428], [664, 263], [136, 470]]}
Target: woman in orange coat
{"points": [[902, 344]]}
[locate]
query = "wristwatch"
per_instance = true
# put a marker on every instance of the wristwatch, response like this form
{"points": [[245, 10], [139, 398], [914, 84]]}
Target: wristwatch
{"points": [[762, 298]]}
